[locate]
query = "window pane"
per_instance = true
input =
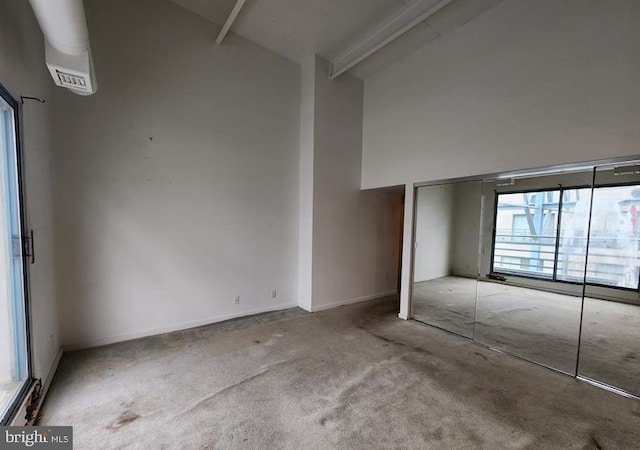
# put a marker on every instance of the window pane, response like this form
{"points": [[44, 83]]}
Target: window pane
{"points": [[613, 245], [574, 226], [525, 240]]}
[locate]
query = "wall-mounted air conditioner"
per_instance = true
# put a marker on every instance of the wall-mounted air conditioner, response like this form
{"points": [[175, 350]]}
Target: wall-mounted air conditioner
{"points": [[67, 50], [74, 72]]}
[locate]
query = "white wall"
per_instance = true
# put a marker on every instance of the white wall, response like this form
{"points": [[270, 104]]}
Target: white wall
{"points": [[22, 72], [526, 84], [433, 232], [177, 183], [406, 281], [356, 234], [306, 181], [465, 238]]}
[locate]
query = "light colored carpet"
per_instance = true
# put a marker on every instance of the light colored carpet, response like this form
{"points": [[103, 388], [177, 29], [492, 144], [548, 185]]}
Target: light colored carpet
{"points": [[350, 377]]}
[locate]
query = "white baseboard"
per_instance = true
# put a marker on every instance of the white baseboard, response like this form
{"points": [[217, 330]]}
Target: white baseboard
{"points": [[403, 316], [19, 418], [353, 300], [52, 372], [173, 327]]}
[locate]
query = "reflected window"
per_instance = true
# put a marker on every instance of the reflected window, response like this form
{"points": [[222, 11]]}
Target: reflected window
{"points": [[525, 239], [543, 234], [613, 247]]}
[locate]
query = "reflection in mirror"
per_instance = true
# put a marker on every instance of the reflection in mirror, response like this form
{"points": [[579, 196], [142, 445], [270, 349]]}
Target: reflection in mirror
{"points": [[532, 263], [445, 265], [610, 339]]}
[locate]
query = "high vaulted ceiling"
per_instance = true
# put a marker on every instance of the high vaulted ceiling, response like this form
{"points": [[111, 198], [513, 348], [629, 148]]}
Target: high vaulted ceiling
{"points": [[295, 28]]}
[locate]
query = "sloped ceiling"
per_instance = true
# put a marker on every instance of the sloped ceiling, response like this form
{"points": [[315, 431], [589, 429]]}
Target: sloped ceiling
{"points": [[295, 28]]}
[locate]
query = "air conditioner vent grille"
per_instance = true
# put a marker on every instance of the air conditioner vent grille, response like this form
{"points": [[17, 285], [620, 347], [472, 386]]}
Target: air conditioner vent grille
{"points": [[72, 81]]}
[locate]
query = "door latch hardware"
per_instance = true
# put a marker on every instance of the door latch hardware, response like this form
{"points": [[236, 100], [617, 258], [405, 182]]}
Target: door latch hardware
{"points": [[28, 248]]}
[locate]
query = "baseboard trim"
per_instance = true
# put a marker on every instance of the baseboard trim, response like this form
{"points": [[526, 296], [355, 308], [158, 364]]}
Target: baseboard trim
{"points": [[52, 372], [353, 300], [170, 328], [19, 419]]}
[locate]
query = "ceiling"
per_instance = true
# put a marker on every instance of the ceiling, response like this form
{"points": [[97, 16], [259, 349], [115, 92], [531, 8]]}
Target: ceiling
{"points": [[295, 28]]}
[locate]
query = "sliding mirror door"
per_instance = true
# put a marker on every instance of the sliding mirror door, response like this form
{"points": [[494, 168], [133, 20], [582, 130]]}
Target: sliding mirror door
{"points": [[532, 267], [610, 339], [445, 256]]}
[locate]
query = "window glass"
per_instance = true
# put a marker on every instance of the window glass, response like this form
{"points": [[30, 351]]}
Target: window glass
{"points": [[14, 366]]}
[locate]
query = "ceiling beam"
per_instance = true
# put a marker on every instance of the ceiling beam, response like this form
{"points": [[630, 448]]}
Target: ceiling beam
{"points": [[392, 28], [232, 18]]}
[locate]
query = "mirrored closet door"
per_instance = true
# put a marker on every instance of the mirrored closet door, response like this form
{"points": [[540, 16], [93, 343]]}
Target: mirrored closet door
{"points": [[445, 255], [610, 338], [532, 266], [545, 267]]}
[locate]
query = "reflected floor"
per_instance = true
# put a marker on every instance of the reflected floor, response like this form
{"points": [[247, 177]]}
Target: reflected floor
{"points": [[537, 325], [540, 326], [448, 303], [610, 350]]}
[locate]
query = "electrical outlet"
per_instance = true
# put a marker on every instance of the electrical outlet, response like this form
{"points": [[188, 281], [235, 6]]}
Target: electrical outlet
{"points": [[274, 293], [236, 300]]}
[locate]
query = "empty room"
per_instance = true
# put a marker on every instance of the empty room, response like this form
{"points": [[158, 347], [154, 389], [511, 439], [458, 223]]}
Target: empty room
{"points": [[320, 224]]}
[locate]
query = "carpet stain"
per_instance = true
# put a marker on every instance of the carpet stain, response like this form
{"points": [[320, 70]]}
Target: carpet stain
{"points": [[382, 338], [397, 343], [595, 442], [436, 435], [368, 383], [234, 386], [629, 356], [482, 356], [505, 402], [124, 419]]}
